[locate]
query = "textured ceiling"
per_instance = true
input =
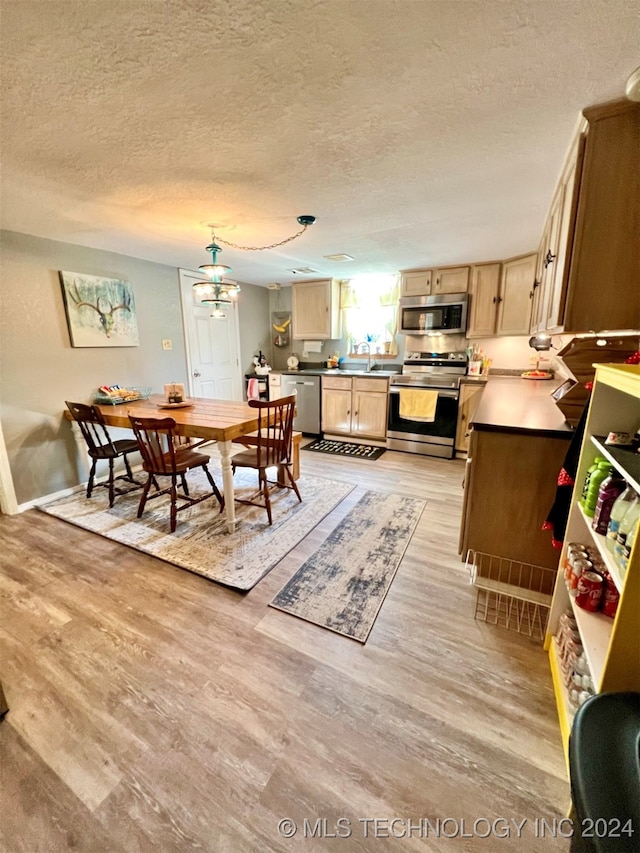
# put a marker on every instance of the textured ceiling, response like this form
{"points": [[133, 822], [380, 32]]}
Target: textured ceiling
{"points": [[417, 132]]}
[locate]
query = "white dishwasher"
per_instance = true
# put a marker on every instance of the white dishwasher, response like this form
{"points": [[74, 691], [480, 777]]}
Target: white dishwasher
{"points": [[307, 390]]}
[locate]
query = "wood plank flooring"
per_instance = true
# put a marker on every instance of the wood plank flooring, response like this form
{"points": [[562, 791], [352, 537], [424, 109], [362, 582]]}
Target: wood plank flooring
{"points": [[151, 709]]}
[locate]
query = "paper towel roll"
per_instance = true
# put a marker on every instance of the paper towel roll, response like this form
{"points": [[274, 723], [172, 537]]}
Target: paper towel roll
{"points": [[313, 346]]}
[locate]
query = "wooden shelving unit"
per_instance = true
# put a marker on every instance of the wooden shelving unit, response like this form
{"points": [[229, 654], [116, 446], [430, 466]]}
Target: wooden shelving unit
{"points": [[612, 646]]}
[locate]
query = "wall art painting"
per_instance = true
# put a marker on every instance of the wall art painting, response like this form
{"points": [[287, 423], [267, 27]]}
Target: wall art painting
{"points": [[101, 312]]}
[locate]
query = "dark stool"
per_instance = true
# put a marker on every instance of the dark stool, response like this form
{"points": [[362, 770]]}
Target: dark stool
{"points": [[604, 763]]}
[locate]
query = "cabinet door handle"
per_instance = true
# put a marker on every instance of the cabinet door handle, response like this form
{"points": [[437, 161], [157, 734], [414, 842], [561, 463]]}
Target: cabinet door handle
{"points": [[549, 258], [536, 283], [495, 299], [499, 299]]}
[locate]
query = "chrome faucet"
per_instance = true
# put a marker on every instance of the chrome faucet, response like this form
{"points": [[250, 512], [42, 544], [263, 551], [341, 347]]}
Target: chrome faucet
{"points": [[368, 346]]}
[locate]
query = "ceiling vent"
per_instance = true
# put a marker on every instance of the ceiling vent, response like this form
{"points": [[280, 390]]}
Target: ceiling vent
{"points": [[304, 271], [338, 258]]}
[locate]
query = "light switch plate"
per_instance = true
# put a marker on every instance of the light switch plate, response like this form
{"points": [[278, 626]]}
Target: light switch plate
{"points": [[167, 343]]}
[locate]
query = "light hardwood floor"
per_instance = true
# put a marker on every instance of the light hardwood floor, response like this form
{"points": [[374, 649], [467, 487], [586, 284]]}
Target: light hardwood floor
{"points": [[151, 709]]}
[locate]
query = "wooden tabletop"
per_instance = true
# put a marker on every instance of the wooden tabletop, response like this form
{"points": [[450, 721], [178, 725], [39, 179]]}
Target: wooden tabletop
{"points": [[217, 420]]}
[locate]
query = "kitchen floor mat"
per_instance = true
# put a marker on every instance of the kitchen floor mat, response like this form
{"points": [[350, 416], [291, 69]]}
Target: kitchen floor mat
{"points": [[345, 448]]}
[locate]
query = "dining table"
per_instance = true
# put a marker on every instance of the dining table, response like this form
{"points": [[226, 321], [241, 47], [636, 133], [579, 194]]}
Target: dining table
{"points": [[201, 418]]}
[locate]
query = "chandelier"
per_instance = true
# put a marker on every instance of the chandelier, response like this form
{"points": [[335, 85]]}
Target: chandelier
{"points": [[217, 292]]}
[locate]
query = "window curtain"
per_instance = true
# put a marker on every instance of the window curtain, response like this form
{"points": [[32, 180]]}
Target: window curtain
{"points": [[369, 306]]}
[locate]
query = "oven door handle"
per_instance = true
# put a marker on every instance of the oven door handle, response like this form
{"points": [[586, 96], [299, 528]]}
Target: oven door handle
{"points": [[442, 392]]}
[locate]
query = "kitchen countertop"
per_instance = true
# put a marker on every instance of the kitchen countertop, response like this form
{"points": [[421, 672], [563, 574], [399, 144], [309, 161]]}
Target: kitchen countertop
{"points": [[326, 371], [512, 404]]}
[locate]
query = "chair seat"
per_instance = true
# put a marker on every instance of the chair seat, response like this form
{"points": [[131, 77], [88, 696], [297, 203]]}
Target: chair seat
{"points": [[184, 460], [250, 458], [115, 449]]}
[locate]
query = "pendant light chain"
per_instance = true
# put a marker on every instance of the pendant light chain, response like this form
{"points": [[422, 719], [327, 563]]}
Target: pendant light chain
{"points": [[257, 248]]}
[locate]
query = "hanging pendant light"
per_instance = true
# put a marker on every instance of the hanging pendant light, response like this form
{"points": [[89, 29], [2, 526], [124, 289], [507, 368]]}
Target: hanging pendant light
{"points": [[217, 292]]}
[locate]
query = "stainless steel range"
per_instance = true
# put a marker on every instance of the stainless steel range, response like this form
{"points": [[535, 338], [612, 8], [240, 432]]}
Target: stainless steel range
{"points": [[423, 403]]}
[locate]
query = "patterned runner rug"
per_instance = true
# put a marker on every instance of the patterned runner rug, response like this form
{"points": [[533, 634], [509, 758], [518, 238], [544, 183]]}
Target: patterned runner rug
{"points": [[201, 543], [345, 448], [342, 586]]}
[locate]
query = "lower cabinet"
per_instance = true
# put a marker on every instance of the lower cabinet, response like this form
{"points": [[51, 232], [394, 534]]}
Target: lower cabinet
{"points": [[355, 406], [469, 399], [510, 486]]}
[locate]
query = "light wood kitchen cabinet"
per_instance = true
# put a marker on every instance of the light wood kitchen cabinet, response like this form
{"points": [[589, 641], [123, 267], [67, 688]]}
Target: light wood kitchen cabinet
{"points": [[592, 282], [469, 399], [516, 295], [415, 282], [483, 300], [316, 310], [546, 266], [434, 282], [501, 297], [510, 486], [555, 247], [612, 646], [355, 406], [450, 280]]}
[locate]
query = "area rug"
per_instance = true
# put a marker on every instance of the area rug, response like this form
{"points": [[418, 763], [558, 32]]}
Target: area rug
{"points": [[345, 448], [201, 542], [342, 586]]}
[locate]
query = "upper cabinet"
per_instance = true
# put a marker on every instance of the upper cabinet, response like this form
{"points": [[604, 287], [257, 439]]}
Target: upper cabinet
{"points": [[516, 295], [434, 282], [450, 280], [589, 256], [501, 297], [316, 309], [484, 293], [415, 282]]}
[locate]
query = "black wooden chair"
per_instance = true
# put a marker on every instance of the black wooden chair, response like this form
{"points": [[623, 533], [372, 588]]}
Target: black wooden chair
{"points": [[101, 447], [162, 456], [271, 446]]}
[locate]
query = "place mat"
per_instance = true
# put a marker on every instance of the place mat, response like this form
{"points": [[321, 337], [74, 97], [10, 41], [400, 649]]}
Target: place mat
{"points": [[343, 585], [345, 448], [201, 542]]}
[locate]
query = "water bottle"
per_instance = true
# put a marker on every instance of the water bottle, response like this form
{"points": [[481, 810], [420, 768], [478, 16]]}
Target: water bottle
{"points": [[626, 531], [603, 470], [620, 506], [609, 490], [632, 535]]}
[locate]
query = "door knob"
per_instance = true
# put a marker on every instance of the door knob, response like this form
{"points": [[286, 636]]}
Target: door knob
{"points": [[196, 373]]}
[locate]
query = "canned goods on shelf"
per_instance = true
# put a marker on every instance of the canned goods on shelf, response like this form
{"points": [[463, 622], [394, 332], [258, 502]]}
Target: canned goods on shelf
{"points": [[589, 591]]}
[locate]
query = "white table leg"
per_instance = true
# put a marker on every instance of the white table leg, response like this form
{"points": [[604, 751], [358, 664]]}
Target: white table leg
{"points": [[227, 484]]}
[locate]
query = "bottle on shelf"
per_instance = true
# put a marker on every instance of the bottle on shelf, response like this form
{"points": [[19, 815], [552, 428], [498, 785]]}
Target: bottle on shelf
{"points": [[610, 488], [602, 472], [590, 470], [620, 506], [626, 532]]}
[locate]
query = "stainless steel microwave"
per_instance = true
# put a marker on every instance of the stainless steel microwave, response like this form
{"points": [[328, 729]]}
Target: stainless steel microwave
{"points": [[445, 314]]}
